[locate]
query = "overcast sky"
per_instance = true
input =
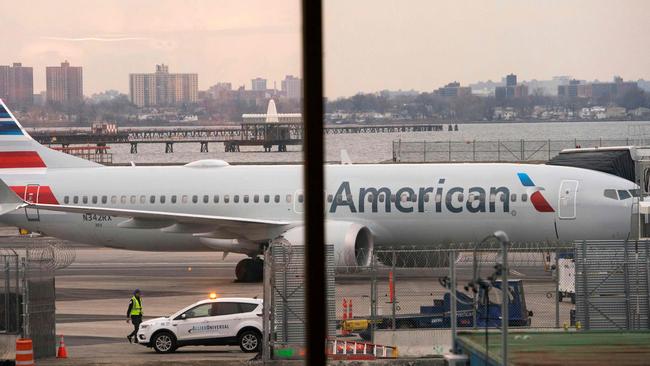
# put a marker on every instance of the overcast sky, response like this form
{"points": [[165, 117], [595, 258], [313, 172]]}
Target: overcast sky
{"points": [[369, 44]]}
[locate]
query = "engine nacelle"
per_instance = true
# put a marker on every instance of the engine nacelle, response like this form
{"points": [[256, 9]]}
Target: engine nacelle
{"points": [[353, 243]]}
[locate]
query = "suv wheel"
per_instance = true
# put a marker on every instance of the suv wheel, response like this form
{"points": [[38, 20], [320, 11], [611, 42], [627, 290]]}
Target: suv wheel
{"points": [[164, 342], [250, 341]]}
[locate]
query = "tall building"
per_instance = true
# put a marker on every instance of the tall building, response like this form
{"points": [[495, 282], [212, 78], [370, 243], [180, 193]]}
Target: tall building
{"points": [[511, 89], [258, 84], [454, 90], [292, 87], [511, 80], [17, 84], [64, 84], [162, 88]]}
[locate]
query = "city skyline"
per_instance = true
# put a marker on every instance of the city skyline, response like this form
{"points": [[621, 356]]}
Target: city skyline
{"points": [[369, 46]]}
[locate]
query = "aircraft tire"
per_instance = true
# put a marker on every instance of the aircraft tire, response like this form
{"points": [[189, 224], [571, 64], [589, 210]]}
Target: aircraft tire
{"points": [[250, 270]]}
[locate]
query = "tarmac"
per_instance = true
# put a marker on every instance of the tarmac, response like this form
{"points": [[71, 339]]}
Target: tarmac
{"points": [[93, 292]]}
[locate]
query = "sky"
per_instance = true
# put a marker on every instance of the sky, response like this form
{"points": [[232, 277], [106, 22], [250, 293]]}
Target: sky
{"points": [[370, 45]]}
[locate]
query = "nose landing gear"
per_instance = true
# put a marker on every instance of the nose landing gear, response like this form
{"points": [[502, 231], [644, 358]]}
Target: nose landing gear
{"points": [[250, 270]]}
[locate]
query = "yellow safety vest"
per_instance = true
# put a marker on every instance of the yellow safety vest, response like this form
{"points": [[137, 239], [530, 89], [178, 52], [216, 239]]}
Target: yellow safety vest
{"points": [[136, 308]]}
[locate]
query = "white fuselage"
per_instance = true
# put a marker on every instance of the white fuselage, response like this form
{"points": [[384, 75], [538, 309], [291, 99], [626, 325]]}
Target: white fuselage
{"points": [[436, 203]]}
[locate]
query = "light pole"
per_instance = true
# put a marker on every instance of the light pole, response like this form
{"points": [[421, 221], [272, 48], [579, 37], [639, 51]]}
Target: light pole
{"points": [[505, 299]]}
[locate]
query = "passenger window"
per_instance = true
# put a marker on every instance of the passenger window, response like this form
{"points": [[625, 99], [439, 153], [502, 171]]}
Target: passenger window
{"points": [[235, 198], [267, 198], [438, 198], [104, 199], [393, 198], [301, 198], [513, 197], [246, 198], [288, 198], [277, 198], [426, 197], [66, 200], [524, 197], [330, 198], [404, 197], [226, 308], [184, 198], [152, 199], [414, 198], [611, 193], [113, 199], [85, 199], [226, 198], [215, 199], [174, 198], [623, 194], [206, 198], [195, 199], [162, 199], [461, 197], [123, 200], [256, 198], [382, 197], [370, 197], [493, 197], [502, 197], [133, 198], [200, 311], [76, 199], [246, 307], [143, 199], [94, 199]]}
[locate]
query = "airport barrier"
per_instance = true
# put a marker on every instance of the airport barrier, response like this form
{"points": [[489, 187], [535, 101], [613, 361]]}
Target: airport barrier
{"points": [[612, 284], [27, 292], [491, 151], [404, 299]]}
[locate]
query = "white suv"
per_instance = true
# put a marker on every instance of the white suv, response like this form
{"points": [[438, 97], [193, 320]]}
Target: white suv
{"points": [[222, 321]]}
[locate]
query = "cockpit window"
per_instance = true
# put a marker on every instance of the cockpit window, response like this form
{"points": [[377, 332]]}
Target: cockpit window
{"points": [[611, 193], [623, 194], [635, 192]]}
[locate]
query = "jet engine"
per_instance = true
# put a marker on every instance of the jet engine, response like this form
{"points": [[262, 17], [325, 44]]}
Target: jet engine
{"points": [[353, 243]]}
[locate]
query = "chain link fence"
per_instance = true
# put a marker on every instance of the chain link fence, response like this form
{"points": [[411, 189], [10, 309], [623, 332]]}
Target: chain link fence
{"points": [[491, 151], [404, 297], [27, 293]]}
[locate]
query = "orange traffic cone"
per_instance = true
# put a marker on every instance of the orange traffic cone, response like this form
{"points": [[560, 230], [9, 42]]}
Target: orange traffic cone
{"points": [[62, 352]]}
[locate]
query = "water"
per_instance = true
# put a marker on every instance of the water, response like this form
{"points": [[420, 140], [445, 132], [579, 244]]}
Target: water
{"points": [[374, 148]]}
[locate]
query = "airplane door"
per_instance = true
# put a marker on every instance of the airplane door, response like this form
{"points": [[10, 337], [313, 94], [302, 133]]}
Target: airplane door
{"points": [[299, 201], [31, 195], [567, 200]]}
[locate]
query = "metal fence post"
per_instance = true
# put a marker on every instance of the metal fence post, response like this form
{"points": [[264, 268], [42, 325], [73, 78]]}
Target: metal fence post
{"points": [[6, 293], [505, 296], [498, 150], [626, 285], [25, 330], [647, 275], [452, 298], [557, 290], [523, 154], [449, 150], [394, 292], [267, 288], [473, 150], [424, 151], [585, 284], [474, 296], [373, 296]]}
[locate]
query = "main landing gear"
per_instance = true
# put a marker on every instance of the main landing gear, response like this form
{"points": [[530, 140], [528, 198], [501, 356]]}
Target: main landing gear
{"points": [[250, 270]]}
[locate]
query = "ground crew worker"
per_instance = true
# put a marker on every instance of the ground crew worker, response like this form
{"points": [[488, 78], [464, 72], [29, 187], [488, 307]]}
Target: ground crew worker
{"points": [[134, 314]]}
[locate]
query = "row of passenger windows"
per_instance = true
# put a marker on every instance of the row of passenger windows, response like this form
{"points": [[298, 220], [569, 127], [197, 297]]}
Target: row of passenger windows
{"points": [[184, 199], [621, 194], [142, 199]]}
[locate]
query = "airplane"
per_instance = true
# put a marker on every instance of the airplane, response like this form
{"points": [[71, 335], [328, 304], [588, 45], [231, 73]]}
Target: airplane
{"points": [[209, 205]]}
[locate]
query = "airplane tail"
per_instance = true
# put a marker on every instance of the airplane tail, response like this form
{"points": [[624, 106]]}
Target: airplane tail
{"points": [[19, 150]]}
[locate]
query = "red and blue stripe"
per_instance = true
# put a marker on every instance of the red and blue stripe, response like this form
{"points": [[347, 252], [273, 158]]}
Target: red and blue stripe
{"points": [[536, 198]]}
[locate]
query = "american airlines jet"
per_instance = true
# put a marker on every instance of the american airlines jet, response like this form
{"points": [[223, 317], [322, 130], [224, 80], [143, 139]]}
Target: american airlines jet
{"points": [[209, 205]]}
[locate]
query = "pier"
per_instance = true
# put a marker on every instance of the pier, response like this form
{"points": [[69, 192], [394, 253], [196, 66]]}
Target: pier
{"points": [[264, 134]]}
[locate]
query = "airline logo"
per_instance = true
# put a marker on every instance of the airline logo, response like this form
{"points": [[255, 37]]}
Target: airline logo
{"points": [[536, 197], [8, 127]]}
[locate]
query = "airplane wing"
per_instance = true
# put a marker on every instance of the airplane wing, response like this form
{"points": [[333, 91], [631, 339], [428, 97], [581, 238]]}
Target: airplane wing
{"points": [[203, 225]]}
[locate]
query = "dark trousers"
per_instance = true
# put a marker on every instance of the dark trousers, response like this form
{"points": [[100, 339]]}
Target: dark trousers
{"points": [[135, 320]]}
